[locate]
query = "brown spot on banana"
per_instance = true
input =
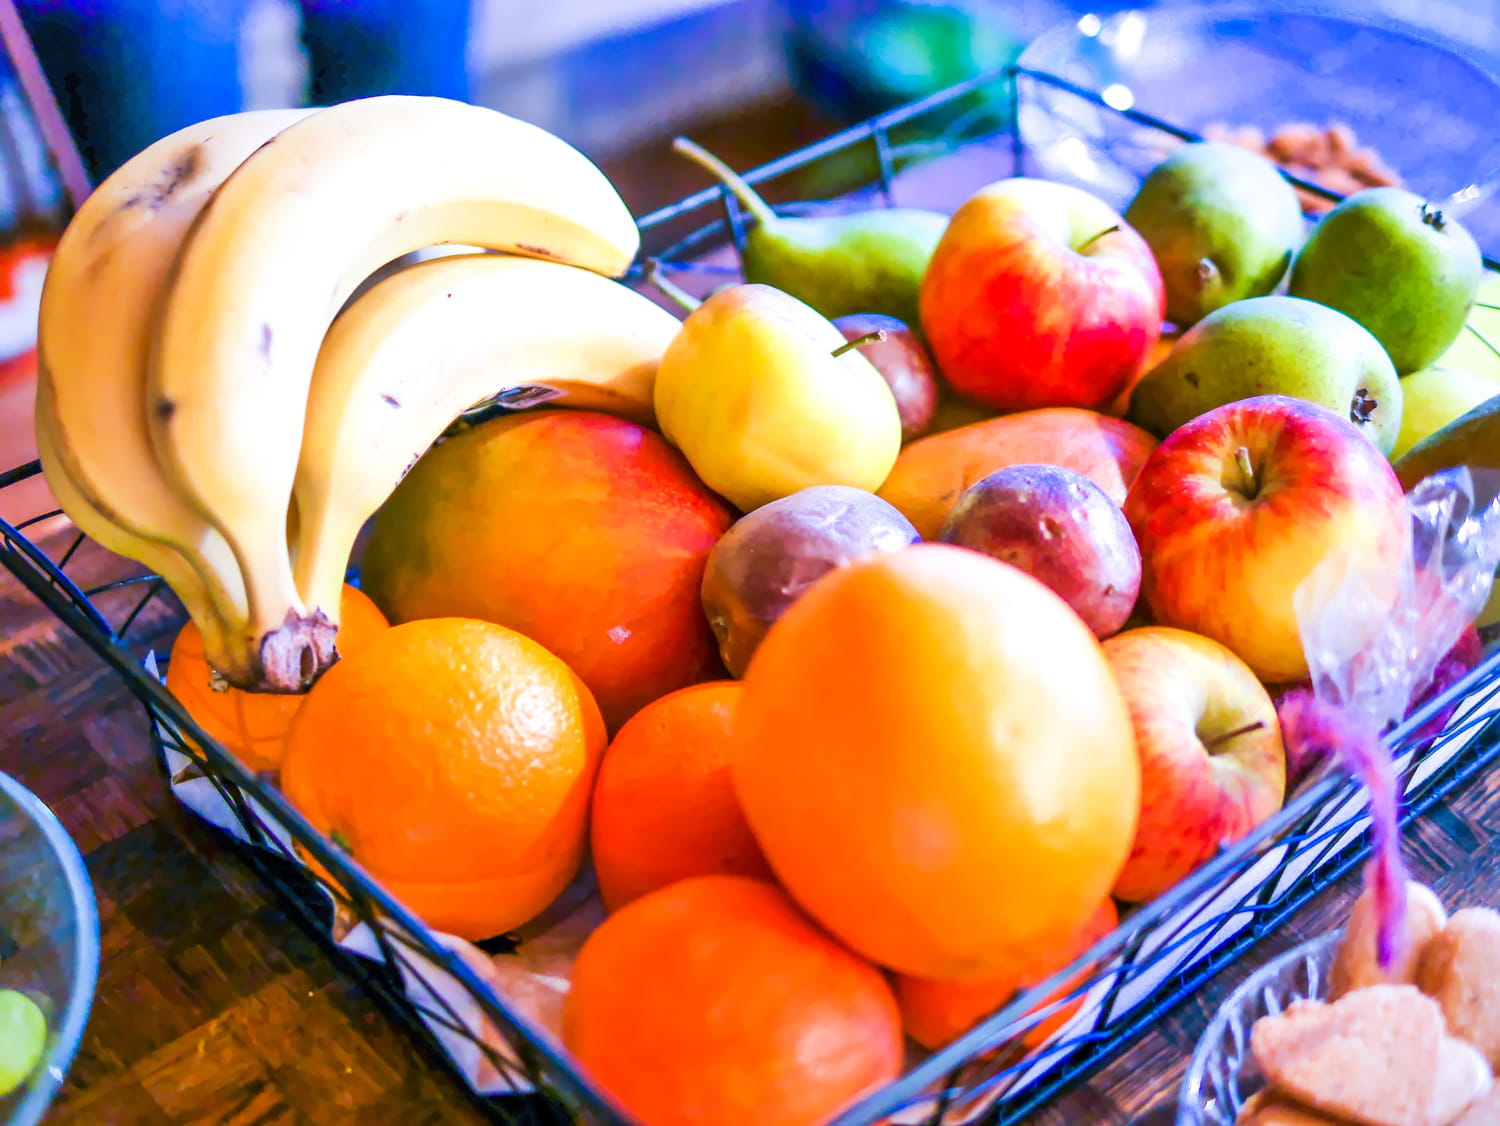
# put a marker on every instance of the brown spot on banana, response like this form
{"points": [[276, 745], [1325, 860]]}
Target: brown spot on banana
{"points": [[266, 336]]}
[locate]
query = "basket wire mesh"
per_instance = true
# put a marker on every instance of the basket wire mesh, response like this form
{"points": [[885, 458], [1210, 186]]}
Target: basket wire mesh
{"points": [[1158, 955]]}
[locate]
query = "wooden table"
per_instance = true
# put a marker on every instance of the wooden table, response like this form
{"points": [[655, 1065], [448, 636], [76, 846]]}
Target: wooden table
{"points": [[214, 1008]]}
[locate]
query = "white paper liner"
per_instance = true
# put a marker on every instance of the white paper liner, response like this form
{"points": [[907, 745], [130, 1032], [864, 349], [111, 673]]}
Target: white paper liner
{"points": [[533, 979]]}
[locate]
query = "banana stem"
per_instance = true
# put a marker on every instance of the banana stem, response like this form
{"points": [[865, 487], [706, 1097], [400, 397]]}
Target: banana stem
{"points": [[860, 341], [670, 288], [731, 179]]}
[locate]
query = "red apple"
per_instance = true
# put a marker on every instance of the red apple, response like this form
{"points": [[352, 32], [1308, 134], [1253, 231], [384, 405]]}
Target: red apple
{"points": [[1040, 295], [1212, 763], [905, 364], [1237, 507], [1059, 527]]}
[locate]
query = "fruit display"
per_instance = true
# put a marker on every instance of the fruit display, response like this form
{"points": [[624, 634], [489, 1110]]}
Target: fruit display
{"points": [[857, 645]]}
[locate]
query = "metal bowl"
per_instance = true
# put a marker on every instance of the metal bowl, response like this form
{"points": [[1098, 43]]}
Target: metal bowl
{"points": [[1222, 1075], [49, 939], [1424, 105]]}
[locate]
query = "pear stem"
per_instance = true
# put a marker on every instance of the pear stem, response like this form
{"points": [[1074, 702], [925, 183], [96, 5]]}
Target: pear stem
{"points": [[1247, 471], [731, 179], [1090, 242], [1220, 740], [671, 289], [860, 341]]}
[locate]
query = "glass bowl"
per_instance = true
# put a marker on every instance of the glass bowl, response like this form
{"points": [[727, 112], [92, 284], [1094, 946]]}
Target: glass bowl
{"points": [[49, 939], [1222, 1075], [1422, 104]]}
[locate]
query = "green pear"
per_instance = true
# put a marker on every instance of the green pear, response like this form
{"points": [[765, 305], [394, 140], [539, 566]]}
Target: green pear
{"points": [[1273, 346], [1398, 266], [860, 262], [1223, 224]]}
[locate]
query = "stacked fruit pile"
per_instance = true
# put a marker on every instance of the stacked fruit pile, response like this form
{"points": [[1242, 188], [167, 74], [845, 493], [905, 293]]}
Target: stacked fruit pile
{"points": [[934, 767]]}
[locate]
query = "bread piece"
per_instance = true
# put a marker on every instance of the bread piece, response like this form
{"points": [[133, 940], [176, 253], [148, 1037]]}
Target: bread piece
{"points": [[1461, 969], [1355, 967], [1271, 1108], [1372, 1056], [1463, 1078], [1485, 1112]]}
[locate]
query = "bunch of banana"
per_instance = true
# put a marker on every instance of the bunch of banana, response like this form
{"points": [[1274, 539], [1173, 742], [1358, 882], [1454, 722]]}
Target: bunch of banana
{"points": [[212, 404]]}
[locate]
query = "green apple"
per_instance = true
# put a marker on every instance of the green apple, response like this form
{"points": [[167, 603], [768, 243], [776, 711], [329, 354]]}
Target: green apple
{"points": [[23, 1038], [1398, 266], [1223, 224], [1435, 396], [1273, 346]]}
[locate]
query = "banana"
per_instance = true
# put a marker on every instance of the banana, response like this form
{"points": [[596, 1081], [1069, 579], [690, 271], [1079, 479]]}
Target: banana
{"points": [[172, 565], [98, 309], [274, 256], [411, 354]]}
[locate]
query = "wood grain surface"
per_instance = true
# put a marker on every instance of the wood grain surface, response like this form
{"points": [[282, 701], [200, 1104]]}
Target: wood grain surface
{"points": [[213, 1007]]}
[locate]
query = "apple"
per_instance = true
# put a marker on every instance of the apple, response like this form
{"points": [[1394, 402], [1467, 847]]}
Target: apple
{"points": [[1041, 295], [1212, 763], [905, 364], [1238, 506], [1059, 527]]}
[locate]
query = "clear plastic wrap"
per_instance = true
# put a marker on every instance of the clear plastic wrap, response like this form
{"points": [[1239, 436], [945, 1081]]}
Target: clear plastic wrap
{"points": [[1374, 636]]}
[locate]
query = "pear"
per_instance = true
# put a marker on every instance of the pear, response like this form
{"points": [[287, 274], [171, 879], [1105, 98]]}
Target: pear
{"points": [[1273, 346], [765, 397], [861, 262], [1398, 266], [1472, 439], [1223, 224], [1435, 396]]}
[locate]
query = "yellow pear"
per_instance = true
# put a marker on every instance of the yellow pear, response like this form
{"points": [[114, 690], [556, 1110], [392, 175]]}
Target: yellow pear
{"points": [[764, 397], [1433, 397]]}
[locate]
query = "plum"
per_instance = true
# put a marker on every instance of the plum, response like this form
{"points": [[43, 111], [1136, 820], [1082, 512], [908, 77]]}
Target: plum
{"points": [[1060, 528], [905, 364], [769, 558]]}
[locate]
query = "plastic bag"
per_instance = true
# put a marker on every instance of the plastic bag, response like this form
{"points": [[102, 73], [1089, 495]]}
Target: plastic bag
{"points": [[1374, 636]]}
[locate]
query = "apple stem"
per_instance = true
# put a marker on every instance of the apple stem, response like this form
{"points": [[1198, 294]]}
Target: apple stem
{"points": [[1219, 740], [860, 341], [731, 179], [1090, 242], [1247, 471], [670, 288]]}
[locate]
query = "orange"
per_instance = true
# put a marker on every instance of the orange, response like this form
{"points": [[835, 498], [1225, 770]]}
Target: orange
{"points": [[931, 472], [253, 725], [935, 1013], [715, 1001], [936, 760], [454, 760], [664, 804], [586, 532]]}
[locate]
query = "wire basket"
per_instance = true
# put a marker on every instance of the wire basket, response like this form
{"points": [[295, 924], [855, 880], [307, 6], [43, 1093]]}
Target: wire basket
{"points": [[1155, 958]]}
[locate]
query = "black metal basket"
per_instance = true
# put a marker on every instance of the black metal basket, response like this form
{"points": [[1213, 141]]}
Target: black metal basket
{"points": [[1159, 954]]}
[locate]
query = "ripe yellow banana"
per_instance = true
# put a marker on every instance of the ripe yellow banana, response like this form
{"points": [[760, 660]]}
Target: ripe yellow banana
{"points": [[98, 310], [411, 354], [275, 254], [172, 565]]}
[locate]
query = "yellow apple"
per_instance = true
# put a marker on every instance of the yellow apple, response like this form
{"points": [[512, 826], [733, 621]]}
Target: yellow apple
{"points": [[1435, 396]]}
